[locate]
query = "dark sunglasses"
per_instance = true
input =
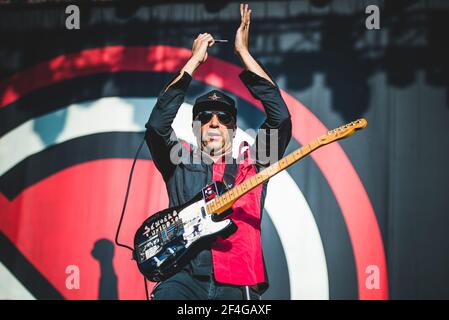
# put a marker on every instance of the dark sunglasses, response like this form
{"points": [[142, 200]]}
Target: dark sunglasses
{"points": [[224, 117]]}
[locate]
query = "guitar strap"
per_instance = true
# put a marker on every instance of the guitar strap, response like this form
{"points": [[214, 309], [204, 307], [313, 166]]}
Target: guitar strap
{"points": [[230, 173]]}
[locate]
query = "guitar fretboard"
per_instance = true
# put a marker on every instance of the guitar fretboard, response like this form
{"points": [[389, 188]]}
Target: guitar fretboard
{"points": [[225, 201]]}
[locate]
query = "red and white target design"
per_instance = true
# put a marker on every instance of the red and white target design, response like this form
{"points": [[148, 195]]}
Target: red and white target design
{"points": [[68, 211]]}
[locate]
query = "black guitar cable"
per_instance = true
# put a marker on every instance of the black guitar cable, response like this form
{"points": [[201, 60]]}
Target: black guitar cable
{"points": [[124, 208]]}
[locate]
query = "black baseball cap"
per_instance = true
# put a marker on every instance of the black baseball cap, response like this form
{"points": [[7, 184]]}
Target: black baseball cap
{"points": [[214, 101]]}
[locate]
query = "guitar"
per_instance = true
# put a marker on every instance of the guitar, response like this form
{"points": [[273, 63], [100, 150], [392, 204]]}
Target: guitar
{"points": [[167, 240]]}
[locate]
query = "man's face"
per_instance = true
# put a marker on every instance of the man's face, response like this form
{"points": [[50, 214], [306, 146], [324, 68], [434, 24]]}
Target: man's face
{"points": [[217, 131]]}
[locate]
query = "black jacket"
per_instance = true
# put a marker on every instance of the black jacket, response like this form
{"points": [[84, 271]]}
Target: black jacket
{"points": [[184, 181]]}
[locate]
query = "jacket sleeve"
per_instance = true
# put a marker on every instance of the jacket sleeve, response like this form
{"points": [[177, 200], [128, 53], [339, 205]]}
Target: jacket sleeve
{"points": [[159, 134], [277, 122]]}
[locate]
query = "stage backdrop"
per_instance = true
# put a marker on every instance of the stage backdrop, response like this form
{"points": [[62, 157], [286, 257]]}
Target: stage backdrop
{"points": [[365, 218]]}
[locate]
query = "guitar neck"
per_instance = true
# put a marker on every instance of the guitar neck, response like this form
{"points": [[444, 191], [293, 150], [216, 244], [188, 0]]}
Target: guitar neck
{"points": [[226, 200]]}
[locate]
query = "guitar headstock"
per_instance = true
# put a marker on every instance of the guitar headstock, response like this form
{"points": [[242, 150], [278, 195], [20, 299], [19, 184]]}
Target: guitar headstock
{"points": [[343, 131]]}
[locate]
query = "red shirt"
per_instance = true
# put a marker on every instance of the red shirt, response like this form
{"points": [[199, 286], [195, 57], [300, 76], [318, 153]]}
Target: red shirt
{"points": [[238, 258]]}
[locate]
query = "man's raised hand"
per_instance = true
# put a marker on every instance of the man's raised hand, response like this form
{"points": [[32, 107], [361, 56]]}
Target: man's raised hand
{"points": [[200, 46], [242, 34]]}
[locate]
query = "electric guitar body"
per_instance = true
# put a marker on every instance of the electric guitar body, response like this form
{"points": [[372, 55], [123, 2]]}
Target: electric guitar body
{"points": [[169, 239]]}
